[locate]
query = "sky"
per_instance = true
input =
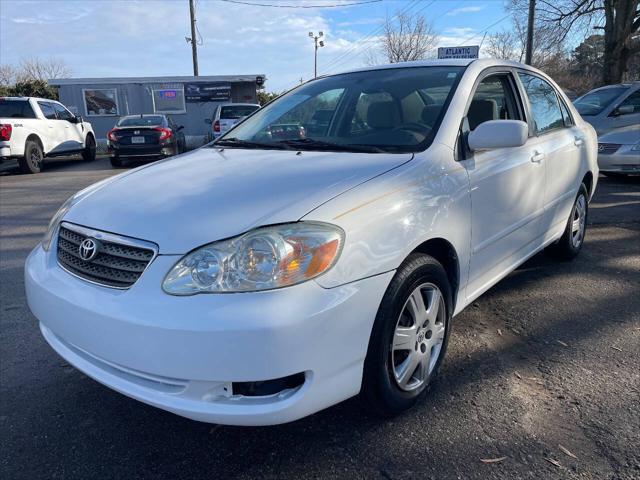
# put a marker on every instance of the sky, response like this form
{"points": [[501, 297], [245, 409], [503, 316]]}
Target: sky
{"points": [[121, 38]]}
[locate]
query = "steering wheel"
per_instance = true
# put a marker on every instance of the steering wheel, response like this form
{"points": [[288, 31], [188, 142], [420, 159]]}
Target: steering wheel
{"points": [[416, 127]]}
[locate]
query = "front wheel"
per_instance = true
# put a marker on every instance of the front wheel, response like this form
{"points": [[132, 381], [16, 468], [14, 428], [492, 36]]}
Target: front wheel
{"points": [[409, 337], [89, 152], [116, 162], [572, 239]]}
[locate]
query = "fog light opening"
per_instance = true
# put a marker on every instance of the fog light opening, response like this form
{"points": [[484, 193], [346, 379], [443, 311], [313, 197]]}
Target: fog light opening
{"points": [[268, 387]]}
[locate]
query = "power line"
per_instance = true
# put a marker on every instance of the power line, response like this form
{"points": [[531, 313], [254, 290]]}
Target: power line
{"points": [[486, 29], [360, 43], [338, 62], [271, 5]]}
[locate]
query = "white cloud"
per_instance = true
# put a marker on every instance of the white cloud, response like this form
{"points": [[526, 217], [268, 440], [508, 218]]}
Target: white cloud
{"points": [[470, 9]]}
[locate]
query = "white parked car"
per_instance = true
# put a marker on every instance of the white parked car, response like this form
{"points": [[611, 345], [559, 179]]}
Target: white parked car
{"points": [[611, 107], [264, 278], [34, 128], [227, 115], [619, 151]]}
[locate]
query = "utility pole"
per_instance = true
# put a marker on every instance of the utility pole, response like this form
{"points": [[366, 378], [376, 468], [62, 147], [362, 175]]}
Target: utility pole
{"points": [[530, 22], [317, 44], [193, 40]]}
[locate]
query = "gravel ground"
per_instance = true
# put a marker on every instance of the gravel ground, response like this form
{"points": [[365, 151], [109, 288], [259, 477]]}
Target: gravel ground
{"points": [[543, 371]]}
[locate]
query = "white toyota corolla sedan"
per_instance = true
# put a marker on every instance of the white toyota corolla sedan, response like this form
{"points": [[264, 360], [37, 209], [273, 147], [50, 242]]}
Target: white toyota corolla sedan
{"points": [[320, 248]]}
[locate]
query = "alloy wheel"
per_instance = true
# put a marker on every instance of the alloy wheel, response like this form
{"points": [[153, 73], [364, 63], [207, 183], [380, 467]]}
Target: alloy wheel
{"points": [[579, 221], [418, 337]]}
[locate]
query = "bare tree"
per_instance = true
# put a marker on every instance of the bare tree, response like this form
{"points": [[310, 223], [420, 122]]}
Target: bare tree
{"points": [[619, 19], [505, 45], [405, 38], [44, 69], [9, 75]]}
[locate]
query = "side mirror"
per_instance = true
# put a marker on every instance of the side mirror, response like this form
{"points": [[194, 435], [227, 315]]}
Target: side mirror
{"points": [[498, 134], [180, 127], [623, 110], [208, 121], [78, 119]]}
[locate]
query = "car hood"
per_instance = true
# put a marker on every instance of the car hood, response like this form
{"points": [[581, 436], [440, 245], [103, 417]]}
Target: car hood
{"points": [[211, 194], [625, 135]]}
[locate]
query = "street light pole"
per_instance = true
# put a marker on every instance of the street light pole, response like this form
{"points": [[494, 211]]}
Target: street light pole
{"points": [[317, 45]]}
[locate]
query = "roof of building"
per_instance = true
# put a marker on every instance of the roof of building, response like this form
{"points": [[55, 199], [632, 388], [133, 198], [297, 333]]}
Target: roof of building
{"points": [[175, 79]]}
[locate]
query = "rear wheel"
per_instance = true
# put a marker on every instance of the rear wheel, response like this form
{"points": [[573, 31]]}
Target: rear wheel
{"points": [[89, 152], [33, 157], [116, 162], [409, 337], [572, 239]]}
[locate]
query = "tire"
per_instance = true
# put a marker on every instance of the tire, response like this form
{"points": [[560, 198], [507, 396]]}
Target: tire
{"points": [[116, 162], [572, 239], [89, 152], [33, 158], [388, 388]]}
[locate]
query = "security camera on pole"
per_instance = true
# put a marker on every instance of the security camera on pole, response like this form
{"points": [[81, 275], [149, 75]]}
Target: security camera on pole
{"points": [[317, 44]]}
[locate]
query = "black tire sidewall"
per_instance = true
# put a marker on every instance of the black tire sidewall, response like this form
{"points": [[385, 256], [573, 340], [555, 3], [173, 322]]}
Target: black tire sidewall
{"points": [[116, 162], [565, 248], [87, 154], [25, 163], [379, 386]]}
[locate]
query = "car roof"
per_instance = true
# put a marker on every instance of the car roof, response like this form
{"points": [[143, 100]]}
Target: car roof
{"points": [[37, 99], [144, 115], [452, 62]]}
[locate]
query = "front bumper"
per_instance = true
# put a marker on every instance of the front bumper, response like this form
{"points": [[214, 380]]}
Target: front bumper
{"points": [[624, 160], [180, 353]]}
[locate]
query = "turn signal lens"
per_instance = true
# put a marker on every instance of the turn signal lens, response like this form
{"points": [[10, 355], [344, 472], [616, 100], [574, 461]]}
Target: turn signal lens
{"points": [[262, 259]]}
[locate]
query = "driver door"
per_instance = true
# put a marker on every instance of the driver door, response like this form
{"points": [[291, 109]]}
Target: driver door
{"points": [[72, 131], [507, 188]]}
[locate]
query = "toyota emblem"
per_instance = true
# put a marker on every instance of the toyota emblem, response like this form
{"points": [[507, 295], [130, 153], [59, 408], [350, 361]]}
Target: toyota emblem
{"points": [[88, 249]]}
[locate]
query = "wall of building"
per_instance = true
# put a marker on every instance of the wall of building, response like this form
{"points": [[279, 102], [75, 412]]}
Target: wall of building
{"points": [[136, 98]]}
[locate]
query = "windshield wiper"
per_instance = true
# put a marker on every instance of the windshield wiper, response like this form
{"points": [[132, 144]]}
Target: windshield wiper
{"points": [[312, 144], [236, 142]]}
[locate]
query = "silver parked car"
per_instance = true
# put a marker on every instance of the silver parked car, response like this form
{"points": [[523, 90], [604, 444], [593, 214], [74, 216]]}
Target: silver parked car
{"points": [[611, 107], [619, 151]]}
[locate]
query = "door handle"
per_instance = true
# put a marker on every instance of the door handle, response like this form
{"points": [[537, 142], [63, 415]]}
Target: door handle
{"points": [[537, 157], [577, 141]]}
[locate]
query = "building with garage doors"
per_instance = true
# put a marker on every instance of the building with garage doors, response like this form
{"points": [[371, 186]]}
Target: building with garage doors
{"points": [[190, 101]]}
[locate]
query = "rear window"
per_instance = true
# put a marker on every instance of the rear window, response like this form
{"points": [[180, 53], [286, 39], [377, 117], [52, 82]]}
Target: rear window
{"points": [[233, 112], [149, 121], [16, 109]]}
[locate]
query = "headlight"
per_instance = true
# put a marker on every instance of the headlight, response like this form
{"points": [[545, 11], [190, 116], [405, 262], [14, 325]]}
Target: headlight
{"points": [[262, 259], [55, 221]]}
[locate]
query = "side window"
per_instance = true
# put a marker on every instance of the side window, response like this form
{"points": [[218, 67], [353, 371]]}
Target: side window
{"points": [[492, 100], [566, 116], [543, 99], [631, 104], [63, 113], [47, 110]]}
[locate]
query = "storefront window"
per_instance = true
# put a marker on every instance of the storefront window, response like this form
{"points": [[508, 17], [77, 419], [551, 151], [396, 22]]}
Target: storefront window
{"points": [[101, 101]]}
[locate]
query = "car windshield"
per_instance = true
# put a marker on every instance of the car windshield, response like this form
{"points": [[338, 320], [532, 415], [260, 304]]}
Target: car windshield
{"points": [[139, 121], [593, 103], [388, 110], [233, 112]]}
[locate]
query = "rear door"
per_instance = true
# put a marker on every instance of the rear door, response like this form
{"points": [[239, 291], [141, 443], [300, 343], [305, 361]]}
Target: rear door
{"points": [[559, 142], [55, 136], [507, 187], [73, 132]]}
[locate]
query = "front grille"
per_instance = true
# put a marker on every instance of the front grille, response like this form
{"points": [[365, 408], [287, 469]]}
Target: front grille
{"points": [[608, 148], [116, 265]]}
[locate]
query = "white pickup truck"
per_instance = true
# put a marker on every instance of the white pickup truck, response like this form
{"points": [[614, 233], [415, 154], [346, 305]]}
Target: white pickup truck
{"points": [[34, 128]]}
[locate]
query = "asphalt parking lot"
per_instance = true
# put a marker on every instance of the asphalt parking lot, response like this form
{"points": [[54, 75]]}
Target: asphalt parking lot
{"points": [[542, 376]]}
